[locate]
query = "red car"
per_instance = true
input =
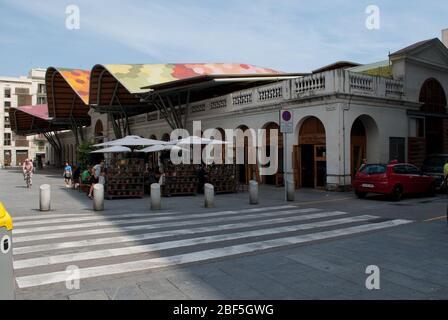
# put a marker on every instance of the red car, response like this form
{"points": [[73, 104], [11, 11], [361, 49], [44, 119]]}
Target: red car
{"points": [[393, 179]]}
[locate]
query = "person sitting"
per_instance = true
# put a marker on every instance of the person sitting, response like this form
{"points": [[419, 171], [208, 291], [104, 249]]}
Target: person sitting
{"points": [[85, 175]]}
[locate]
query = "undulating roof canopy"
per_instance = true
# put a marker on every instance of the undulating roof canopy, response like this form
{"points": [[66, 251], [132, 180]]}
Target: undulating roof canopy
{"points": [[130, 82], [32, 120], [68, 94]]}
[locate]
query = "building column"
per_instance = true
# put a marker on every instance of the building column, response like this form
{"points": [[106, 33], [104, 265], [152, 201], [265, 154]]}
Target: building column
{"points": [[338, 150]]}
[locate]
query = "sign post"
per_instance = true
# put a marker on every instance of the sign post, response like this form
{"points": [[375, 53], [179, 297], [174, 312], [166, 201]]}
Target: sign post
{"points": [[286, 127]]}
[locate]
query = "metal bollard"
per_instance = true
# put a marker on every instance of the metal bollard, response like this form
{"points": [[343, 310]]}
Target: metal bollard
{"points": [[253, 192], [156, 202], [209, 195], [98, 197], [45, 197], [7, 282], [290, 193]]}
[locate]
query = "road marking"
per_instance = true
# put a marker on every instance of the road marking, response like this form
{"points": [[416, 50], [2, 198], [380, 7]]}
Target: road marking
{"points": [[148, 218], [108, 253], [436, 218], [148, 264], [50, 216], [169, 233], [135, 215], [322, 201], [150, 226]]}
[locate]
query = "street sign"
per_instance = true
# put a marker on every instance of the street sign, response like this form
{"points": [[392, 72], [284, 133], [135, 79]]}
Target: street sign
{"points": [[286, 122]]}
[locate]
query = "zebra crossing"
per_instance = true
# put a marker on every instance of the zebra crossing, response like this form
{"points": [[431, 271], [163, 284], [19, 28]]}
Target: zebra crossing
{"points": [[103, 245]]}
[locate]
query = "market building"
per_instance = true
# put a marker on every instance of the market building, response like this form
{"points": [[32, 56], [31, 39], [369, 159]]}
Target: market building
{"points": [[342, 113]]}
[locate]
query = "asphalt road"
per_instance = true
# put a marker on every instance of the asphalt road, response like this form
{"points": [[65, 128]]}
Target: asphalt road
{"points": [[317, 247]]}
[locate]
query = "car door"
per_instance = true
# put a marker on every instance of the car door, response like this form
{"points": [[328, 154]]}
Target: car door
{"points": [[401, 177], [416, 181]]}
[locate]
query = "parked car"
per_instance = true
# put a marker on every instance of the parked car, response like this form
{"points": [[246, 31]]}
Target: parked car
{"points": [[394, 179], [433, 166]]}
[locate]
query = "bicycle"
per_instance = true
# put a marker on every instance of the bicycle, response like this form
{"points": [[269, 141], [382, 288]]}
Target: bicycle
{"points": [[28, 180]]}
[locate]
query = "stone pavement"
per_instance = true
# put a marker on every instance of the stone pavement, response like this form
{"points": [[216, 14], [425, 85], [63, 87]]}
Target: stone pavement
{"points": [[263, 265]]}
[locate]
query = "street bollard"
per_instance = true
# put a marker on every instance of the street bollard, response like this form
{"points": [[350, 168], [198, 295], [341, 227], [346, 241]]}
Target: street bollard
{"points": [[253, 192], [290, 193], [156, 202], [7, 282], [98, 197], [45, 197], [209, 195]]}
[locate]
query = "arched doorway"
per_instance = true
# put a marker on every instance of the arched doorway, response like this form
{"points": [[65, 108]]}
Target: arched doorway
{"points": [[166, 137], [275, 179], [364, 142], [311, 158], [358, 146], [433, 99], [99, 134]]}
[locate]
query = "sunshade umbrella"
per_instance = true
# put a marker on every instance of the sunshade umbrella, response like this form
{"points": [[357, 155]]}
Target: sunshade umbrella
{"points": [[131, 141], [114, 149], [160, 147], [197, 140]]}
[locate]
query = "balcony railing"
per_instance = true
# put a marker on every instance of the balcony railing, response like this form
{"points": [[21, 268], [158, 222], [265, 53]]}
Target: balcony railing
{"points": [[314, 85], [342, 81]]}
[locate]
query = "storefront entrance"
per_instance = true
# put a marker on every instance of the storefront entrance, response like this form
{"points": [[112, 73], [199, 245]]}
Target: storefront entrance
{"points": [[310, 156], [21, 156]]}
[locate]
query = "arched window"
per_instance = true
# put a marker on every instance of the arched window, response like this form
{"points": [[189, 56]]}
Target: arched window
{"points": [[99, 135], [433, 97]]}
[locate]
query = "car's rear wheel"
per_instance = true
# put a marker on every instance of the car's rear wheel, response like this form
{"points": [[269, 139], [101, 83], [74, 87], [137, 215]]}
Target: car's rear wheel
{"points": [[360, 194], [397, 193]]}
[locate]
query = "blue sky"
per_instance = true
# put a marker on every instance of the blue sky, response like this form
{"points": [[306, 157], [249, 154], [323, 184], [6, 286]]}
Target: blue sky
{"points": [[287, 35]]}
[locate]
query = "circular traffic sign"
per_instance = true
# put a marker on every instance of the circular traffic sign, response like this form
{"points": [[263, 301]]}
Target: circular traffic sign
{"points": [[286, 115]]}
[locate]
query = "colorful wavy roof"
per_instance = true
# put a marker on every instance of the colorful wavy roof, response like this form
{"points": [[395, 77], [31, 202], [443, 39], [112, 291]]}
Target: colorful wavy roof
{"points": [[135, 76], [39, 111], [79, 80]]}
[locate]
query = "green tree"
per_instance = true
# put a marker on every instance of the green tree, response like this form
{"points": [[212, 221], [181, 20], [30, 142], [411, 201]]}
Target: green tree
{"points": [[84, 155]]}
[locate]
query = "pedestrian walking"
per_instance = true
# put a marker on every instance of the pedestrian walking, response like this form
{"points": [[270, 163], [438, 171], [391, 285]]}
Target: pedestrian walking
{"points": [[68, 174]]}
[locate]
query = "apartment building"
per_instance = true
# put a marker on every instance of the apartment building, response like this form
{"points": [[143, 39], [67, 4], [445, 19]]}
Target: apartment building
{"points": [[17, 92]]}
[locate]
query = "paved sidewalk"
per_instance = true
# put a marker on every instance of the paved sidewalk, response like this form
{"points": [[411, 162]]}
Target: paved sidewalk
{"points": [[412, 258]]}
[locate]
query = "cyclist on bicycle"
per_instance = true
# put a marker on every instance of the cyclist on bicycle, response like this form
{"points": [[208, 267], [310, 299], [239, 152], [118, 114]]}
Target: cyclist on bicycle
{"points": [[27, 169]]}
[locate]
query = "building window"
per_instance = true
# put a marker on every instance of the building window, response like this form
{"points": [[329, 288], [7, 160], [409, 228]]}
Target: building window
{"points": [[41, 100], [417, 127], [397, 149], [7, 124], [7, 92], [7, 139], [7, 105], [41, 88]]}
